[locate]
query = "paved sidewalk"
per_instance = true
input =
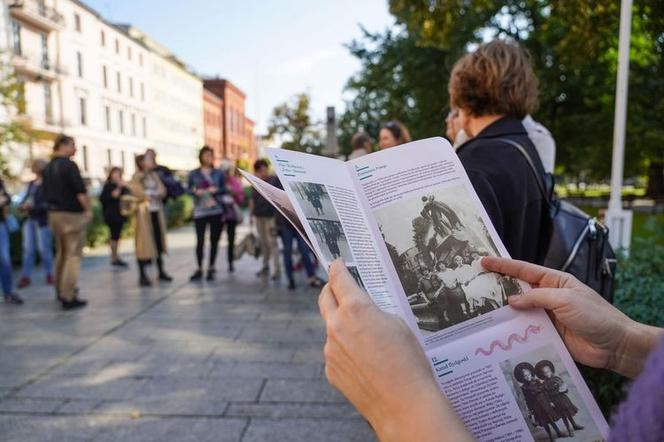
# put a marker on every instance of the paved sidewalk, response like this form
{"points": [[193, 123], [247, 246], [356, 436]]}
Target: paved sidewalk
{"points": [[239, 359]]}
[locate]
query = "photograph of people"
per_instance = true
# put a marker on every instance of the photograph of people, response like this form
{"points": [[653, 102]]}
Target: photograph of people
{"points": [[436, 241], [314, 200], [332, 239], [547, 397]]}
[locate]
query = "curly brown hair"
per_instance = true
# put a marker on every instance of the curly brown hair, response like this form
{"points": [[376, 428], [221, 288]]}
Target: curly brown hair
{"points": [[496, 79]]}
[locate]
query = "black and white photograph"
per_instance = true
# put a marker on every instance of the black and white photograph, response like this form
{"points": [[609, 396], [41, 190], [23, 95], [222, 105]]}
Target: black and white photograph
{"points": [[356, 276], [315, 202], [436, 241], [547, 397]]}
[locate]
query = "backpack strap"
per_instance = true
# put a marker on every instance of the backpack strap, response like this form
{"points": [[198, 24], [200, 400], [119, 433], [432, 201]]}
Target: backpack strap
{"points": [[538, 178]]}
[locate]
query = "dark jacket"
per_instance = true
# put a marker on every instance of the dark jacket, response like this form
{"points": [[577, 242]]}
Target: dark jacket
{"points": [[507, 187], [110, 205], [38, 206]]}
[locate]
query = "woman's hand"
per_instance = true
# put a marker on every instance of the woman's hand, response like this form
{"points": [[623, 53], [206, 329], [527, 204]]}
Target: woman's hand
{"points": [[377, 363], [596, 333]]}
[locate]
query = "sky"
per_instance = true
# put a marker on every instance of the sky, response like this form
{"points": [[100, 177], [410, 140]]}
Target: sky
{"points": [[271, 49]]}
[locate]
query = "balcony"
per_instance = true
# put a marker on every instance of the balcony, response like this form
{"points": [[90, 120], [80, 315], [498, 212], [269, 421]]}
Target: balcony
{"points": [[35, 67], [37, 14]]}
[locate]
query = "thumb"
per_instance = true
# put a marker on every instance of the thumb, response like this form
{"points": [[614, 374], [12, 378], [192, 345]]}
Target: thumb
{"points": [[343, 284], [546, 298]]}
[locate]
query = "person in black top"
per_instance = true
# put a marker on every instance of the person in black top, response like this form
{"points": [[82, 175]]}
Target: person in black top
{"points": [[70, 212], [494, 88], [37, 234], [262, 214], [110, 196]]}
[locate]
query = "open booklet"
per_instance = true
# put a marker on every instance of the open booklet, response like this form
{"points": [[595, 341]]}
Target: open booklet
{"points": [[411, 231]]}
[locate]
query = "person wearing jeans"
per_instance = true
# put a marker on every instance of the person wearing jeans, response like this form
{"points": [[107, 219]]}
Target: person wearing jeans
{"points": [[37, 236], [5, 256], [288, 233], [232, 213], [70, 211], [206, 185]]}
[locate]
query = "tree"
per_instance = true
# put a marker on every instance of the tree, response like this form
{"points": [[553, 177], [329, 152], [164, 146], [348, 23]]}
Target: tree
{"points": [[574, 48], [398, 80], [12, 129], [293, 122]]}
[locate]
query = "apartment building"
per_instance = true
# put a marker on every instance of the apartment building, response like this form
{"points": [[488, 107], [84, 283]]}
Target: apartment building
{"points": [[213, 107], [238, 137], [176, 105]]}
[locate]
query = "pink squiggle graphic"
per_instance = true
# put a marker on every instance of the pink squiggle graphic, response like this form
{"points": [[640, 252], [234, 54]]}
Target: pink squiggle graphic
{"points": [[514, 337]]}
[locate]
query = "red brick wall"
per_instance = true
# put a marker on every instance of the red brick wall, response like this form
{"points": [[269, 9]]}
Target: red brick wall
{"points": [[213, 122]]}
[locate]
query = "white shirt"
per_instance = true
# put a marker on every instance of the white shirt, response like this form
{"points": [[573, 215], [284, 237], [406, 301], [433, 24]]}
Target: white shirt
{"points": [[543, 141]]}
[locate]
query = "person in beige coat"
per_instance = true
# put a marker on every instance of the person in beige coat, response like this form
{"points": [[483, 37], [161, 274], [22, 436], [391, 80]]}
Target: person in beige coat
{"points": [[150, 234]]}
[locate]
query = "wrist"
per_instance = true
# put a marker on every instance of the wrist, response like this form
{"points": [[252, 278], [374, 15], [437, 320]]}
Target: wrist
{"points": [[638, 342]]}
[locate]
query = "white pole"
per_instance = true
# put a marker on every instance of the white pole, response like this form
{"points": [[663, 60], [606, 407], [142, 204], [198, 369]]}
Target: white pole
{"points": [[618, 220]]}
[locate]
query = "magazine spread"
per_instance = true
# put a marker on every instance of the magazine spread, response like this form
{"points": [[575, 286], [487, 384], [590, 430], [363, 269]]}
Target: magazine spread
{"points": [[408, 225]]}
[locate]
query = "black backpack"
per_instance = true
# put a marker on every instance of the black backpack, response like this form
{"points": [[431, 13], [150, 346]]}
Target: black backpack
{"points": [[579, 243]]}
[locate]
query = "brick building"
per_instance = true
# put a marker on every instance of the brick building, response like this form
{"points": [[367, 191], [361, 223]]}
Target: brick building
{"points": [[213, 122], [238, 143]]}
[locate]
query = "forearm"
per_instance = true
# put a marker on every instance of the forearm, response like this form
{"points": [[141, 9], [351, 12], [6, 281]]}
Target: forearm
{"points": [[430, 419], [84, 200], [639, 341]]}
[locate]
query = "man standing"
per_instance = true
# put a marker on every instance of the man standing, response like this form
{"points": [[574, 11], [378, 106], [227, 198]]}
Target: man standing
{"points": [[262, 213], [69, 214]]}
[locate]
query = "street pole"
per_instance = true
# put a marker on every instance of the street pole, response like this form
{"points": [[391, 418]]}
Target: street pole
{"points": [[618, 220]]}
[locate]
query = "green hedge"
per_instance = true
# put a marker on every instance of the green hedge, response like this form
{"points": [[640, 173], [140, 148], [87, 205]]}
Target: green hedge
{"points": [[640, 295]]}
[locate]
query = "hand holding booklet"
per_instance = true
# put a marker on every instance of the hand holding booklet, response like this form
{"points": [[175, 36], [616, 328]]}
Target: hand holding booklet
{"points": [[411, 230]]}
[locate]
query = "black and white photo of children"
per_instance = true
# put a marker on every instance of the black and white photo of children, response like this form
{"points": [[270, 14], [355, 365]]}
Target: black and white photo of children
{"points": [[315, 202], [547, 398], [435, 241]]}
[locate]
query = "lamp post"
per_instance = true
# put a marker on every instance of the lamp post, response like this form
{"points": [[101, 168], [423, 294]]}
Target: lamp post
{"points": [[618, 220]]}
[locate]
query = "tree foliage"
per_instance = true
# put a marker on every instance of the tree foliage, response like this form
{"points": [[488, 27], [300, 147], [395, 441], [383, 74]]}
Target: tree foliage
{"points": [[13, 129], [573, 44], [292, 122]]}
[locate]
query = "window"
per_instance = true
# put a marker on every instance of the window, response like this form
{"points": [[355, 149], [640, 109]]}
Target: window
{"points": [[117, 46], [118, 79], [121, 121], [48, 106], [128, 53], [41, 7], [107, 111], [16, 37], [79, 64], [86, 166], [142, 91], [145, 127], [133, 125], [109, 158], [44, 52], [103, 38], [82, 111], [131, 87], [104, 74], [77, 22]]}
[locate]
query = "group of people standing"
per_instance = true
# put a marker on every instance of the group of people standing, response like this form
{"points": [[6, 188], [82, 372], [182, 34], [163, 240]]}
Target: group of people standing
{"points": [[57, 211]]}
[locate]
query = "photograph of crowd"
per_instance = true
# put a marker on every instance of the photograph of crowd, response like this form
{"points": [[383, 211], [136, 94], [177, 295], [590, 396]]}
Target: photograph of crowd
{"points": [[547, 398], [315, 202], [435, 241], [356, 275]]}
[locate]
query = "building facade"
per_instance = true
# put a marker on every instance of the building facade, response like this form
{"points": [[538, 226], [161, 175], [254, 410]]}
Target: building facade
{"points": [[213, 123], [238, 138], [176, 105]]}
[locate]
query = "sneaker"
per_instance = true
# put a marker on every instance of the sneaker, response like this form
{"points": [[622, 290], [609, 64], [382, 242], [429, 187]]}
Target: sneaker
{"points": [[165, 277], [13, 299], [74, 304], [196, 276], [50, 280], [119, 263], [316, 282], [24, 282], [210, 274], [276, 276], [263, 272], [231, 269], [144, 281], [291, 285]]}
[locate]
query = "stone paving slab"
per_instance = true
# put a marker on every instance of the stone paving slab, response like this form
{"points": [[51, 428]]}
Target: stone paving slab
{"points": [[237, 359]]}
